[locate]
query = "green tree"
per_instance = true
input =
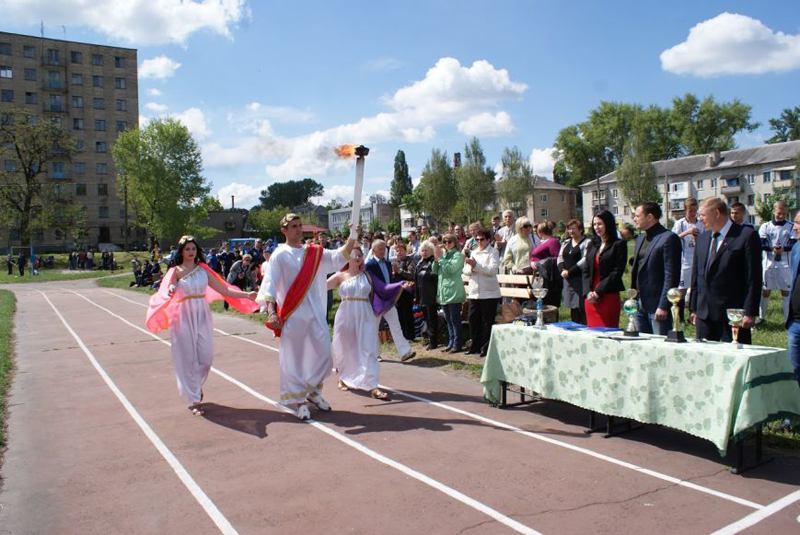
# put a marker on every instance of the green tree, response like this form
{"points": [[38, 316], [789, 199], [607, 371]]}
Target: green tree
{"points": [[437, 187], [401, 183], [786, 127], [266, 222], [474, 182], [160, 169], [211, 203], [290, 193], [764, 202], [517, 187], [636, 177], [31, 201], [708, 126]]}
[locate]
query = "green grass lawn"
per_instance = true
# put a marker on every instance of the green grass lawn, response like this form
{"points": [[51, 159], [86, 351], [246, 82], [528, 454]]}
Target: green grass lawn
{"points": [[61, 270], [7, 305]]}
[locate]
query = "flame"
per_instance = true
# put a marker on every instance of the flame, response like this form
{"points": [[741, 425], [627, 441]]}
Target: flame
{"points": [[347, 150]]}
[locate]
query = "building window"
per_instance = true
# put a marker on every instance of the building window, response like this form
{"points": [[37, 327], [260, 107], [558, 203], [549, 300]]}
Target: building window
{"points": [[122, 105], [563, 197], [614, 193], [733, 199], [80, 168], [97, 59], [97, 81], [751, 179], [699, 186], [98, 103], [731, 182], [6, 95], [31, 98], [5, 72], [785, 175], [77, 102], [101, 168], [100, 125], [76, 57], [119, 62], [80, 189], [81, 144], [54, 80], [100, 146], [52, 56], [119, 83], [543, 197], [55, 102], [30, 75], [614, 210], [58, 169], [713, 183], [5, 49], [56, 120], [9, 166], [545, 213], [102, 212], [102, 189], [122, 126], [767, 176], [77, 79], [751, 200], [29, 51], [77, 124], [626, 210]]}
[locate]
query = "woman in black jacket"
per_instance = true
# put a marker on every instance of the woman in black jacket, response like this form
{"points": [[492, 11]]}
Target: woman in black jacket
{"points": [[574, 271], [425, 289], [606, 258]]}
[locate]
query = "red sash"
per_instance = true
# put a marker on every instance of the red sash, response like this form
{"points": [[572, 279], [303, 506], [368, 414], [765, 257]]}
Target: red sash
{"points": [[299, 288]]}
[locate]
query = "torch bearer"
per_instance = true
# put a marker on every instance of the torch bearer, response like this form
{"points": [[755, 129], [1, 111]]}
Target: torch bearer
{"points": [[361, 152]]}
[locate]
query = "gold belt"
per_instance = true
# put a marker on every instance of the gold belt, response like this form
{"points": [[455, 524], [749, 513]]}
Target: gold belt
{"points": [[355, 299], [198, 296]]}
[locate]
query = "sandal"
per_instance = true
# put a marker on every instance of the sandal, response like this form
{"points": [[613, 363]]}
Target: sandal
{"points": [[303, 412], [196, 409], [377, 393], [343, 387], [320, 402]]}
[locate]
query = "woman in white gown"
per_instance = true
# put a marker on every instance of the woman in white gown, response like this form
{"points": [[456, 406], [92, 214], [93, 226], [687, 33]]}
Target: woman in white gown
{"points": [[355, 334], [182, 303]]}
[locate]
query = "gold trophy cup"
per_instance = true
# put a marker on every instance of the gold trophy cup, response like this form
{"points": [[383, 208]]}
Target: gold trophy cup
{"points": [[735, 317], [676, 334]]}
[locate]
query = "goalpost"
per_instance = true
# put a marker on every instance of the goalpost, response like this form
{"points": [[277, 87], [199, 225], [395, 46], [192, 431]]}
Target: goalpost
{"points": [[28, 251]]}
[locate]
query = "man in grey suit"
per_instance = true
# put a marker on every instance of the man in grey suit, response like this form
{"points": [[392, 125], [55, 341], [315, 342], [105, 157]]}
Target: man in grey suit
{"points": [[656, 269]]}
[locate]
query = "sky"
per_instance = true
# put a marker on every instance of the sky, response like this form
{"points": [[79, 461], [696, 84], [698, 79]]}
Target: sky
{"points": [[268, 88]]}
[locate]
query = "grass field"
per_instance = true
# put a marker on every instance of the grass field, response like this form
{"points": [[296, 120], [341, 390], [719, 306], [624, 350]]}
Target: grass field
{"points": [[7, 305], [61, 270]]}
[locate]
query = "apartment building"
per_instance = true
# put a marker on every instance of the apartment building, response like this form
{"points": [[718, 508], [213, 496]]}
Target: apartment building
{"points": [[340, 218], [92, 91]]}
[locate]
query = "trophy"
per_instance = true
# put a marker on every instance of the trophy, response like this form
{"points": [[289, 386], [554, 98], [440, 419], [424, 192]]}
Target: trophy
{"points": [[735, 316], [539, 292], [674, 296], [631, 307]]}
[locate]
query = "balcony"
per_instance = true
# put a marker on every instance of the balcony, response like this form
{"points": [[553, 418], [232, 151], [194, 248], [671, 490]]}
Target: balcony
{"points": [[731, 185]]}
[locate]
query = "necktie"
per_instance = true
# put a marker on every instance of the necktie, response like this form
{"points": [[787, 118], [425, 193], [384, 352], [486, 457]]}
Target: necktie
{"points": [[713, 248]]}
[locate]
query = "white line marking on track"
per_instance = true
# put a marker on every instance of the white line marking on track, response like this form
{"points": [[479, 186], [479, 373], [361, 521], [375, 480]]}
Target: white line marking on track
{"points": [[530, 434], [205, 502], [449, 491], [755, 517]]}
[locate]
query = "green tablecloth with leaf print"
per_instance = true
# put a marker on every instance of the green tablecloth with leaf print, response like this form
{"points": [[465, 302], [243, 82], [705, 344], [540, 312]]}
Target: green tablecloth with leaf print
{"points": [[710, 390]]}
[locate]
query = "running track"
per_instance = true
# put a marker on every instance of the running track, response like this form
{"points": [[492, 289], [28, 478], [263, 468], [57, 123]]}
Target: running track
{"points": [[100, 442]]}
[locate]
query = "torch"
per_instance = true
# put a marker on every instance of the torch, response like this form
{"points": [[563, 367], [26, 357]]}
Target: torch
{"points": [[361, 153]]}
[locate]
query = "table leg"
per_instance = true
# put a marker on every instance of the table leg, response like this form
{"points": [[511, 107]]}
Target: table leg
{"points": [[503, 393]]}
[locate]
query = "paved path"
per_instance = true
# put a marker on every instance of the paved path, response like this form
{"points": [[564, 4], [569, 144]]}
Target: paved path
{"points": [[101, 443]]}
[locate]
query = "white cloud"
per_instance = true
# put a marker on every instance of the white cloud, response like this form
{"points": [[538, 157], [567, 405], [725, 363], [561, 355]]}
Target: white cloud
{"points": [[244, 196], [153, 92], [542, 162], [160, 68], [195, 121], [487, 125], [343, 192], [382, 65], [732, 44], [155, 106], [143, 22]]}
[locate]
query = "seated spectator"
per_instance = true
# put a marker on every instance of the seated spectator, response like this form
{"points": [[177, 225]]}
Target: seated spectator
{"points": [[425, 291], [483, 293]]}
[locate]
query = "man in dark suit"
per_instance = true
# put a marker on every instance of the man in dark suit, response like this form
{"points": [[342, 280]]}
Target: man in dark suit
{"points": [[656, 269], [726, 273], [793, 318], [379, 268]]}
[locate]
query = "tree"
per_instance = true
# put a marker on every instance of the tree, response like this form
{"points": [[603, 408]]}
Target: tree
{"points": [[636, 177], [266, 222], [160, 169], [786, 127], [708, 126], [377, 198], [474, 182], [517, 187], [413, 203], [212, 204], [437, 187], [28, 200], [401, 183], [290, 193], [335, 204]]}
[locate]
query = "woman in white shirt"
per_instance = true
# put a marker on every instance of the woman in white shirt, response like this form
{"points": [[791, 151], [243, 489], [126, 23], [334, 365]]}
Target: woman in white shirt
{"points": [[518, 248], [483, 293]]}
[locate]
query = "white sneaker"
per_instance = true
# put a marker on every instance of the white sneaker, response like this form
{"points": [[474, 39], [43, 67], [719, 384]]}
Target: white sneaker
{"points": [[320, 402], [303, 412]]}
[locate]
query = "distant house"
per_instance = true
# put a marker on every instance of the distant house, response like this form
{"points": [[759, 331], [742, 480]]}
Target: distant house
{"points": [[340, 218], [319, 213], [739, 175], [229, 223], [551, 201]]}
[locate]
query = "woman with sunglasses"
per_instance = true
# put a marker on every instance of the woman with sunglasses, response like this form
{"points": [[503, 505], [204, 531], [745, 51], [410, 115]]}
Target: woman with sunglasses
{"points": [[182, 302], [484, 291], [450, 292], [518, 248]]}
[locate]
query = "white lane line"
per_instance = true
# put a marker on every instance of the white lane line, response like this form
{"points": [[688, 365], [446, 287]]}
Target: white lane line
{"points": [[550, 440], [754, 518], [410, 472], [205, 502]]}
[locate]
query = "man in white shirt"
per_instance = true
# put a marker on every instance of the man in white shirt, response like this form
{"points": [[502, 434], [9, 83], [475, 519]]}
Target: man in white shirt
{"points": [[777, 238], [687, 228]]}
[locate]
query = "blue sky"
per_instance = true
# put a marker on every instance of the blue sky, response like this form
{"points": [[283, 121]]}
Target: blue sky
{"points": [[268, 88]]}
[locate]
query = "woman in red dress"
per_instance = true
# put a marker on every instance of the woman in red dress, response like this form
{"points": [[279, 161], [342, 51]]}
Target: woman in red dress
{"points": [[606, 257]]}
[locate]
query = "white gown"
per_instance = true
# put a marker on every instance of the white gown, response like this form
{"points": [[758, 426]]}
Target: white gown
{"points": [[192, 335], [305, 350], [355, 336]]}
